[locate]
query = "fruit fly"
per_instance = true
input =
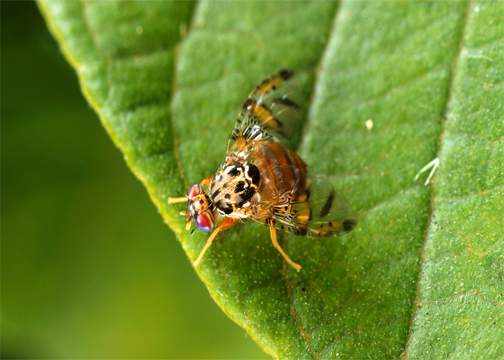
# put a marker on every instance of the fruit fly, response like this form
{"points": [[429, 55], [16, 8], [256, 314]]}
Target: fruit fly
{"points": [[262, 180]]}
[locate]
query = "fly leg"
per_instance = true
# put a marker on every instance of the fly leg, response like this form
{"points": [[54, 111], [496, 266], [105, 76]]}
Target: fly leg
{"points": [[275, 244], [176, 200], [183, 213], [225, 224]]}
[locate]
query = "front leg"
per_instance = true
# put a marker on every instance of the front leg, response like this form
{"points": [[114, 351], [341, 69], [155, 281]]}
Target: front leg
{"points": [[225, 224]]}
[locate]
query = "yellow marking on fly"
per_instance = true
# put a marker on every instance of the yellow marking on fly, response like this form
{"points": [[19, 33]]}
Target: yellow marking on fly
{"points": [[302, 197], [263, 114], [329, 228], [270, 85], [272, 123], [304, 214], [303, 219], [303, 209]]}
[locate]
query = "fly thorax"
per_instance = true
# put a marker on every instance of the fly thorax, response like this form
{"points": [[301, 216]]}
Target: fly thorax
{"points": [[233, 186]]}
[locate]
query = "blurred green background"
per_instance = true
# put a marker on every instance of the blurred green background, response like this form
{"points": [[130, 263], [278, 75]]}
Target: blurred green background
{"points": [[89, 269]]}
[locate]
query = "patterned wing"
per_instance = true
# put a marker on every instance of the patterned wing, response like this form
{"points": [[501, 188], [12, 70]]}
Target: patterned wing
{"points": [[315, 211], [272, 111]]}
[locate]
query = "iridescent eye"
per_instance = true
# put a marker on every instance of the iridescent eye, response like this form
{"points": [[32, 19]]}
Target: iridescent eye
{"points": [[193, 191], [205, 222]]}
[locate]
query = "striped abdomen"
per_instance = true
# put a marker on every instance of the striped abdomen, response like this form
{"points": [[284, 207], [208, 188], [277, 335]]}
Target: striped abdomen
{"points": [[281, 171]]}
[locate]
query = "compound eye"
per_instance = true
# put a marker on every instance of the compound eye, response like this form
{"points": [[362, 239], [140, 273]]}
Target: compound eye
{"points": [[205, 222], [193, 191]]}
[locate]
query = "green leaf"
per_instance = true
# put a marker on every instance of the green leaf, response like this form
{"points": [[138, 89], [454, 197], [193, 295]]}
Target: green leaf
{"points": [[422, 274]]}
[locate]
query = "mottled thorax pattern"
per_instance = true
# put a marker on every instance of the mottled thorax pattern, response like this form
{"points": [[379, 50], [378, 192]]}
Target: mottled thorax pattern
{"points": [[233, 186]]}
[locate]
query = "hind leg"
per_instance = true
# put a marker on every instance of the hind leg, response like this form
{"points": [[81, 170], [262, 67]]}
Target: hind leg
{"points": [[275, 244]]}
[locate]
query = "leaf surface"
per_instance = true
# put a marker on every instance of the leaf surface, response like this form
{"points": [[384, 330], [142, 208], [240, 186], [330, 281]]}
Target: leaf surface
{"points": [[422, 274]]}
